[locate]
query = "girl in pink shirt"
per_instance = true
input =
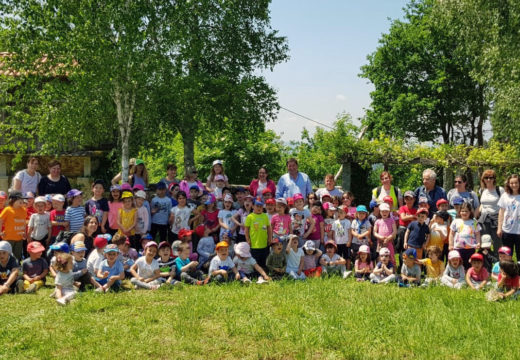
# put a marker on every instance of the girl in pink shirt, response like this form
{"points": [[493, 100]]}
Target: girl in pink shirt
{"points": [[281, 222], [385, 231]]}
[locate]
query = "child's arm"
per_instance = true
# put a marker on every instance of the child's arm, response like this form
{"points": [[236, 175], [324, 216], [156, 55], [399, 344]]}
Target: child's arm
{"points": [[248, 239], [477, 235], [223, 223], [235, 271], [322, 232], [450, 241], [391, 237], [133, 271], [189, 266], [389, 271], [311, 227], [261, 271], [300, 268], [509, 293], [378, 271], [366, 234], [10, 280], [376, 232], [156, 275], [468, 281], [406, 234], [234, 219], [104, 220]]}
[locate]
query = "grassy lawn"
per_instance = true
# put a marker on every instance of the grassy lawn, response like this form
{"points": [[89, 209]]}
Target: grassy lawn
{"points": [[316, 319]]}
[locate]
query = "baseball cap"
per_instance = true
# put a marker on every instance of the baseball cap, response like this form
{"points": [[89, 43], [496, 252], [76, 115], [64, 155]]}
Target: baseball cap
{"points": [[457, 200], [275, 241], [78, 246], [61, 246], [211, 199], [216, 162], [441, 201], [505, 250], [184, 232], [270, 201], [219, 177], [115, 187], [199, 230], [228, 198], [422, 200], [388, 199], [140, 194], [127, 194], [111, 248], [290, 201], [138, 187], [281, 201], [164, 244], [258, 201], [73, 193], [361, 208], [485, 241], [331, 243], [35, 247], [150, 244], [126, 187], [453, 254], [160, 186], [58, 197], [147, 237], [309, 245], [5, 246], [422, 211], [243, 249], [373, 204], [409, 193], [194, 187], [175, 247], [384, 207], [364, 249], [3, 195], [221, 244], [28, 195], [40, 199], [266, 191], [240, 189], [411, 253], [297, 196], [384, 251], [100, 242], [476, 257], [48, 197], [139, 162]]}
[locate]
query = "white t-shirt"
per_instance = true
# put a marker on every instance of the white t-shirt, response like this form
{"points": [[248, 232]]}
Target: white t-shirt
{"points": [[94, 262], [40, 225], [144, 269], [246, 266], [293, 258], [511, 205], [182, 217], [226, 216], [489, 201], [29, 183], [341, 230], [217, 264], [323, 191]]}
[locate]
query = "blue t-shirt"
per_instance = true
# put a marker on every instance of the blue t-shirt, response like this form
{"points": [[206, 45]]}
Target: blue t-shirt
{"points": [[179, 264], [115, 270], [418, 232], [163, 206]]}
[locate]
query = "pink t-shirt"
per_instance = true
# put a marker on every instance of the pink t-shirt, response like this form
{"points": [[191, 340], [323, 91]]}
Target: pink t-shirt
{"points": [[113, 208], [480, 276], [281, 224], [316, 234], [385, 226], [363, 265]]}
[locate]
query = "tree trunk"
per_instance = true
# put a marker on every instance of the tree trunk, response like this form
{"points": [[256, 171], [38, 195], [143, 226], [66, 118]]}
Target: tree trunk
{"points": [[347, 176], [124, 102], [188, 140], [482, 116]]}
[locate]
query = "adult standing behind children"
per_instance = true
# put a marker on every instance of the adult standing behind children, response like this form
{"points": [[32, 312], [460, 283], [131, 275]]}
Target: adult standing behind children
{"points": [[293, 182], [489, 195], [262, 182], [461, 189], [387, 189], [27, 180], [190, 180], [509, 215], [430, 190], [329, 189], [54, 182]]}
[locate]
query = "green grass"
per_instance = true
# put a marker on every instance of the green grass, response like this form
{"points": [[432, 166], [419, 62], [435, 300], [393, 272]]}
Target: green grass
{"points": [[316, 319]]}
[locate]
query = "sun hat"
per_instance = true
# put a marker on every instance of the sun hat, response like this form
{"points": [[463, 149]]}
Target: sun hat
{"points": [[58, 197], [361, 208], [5, 246], [309, 245], [290, 201], [127, 194], [453, 254], [364, 249], [275, 241], [48, 197], [243, 249], [78, 246]]}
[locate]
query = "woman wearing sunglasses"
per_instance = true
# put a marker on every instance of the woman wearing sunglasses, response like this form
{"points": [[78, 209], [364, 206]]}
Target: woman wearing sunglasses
{"points": [[489, 195], [462, 189]]}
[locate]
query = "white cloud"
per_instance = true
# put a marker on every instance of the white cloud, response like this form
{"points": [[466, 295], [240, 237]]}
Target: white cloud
{"points": [[341, 97]]}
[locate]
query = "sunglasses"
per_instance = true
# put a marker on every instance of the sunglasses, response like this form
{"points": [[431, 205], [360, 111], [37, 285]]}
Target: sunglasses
{"points": [[458, 182], [489, 178]]}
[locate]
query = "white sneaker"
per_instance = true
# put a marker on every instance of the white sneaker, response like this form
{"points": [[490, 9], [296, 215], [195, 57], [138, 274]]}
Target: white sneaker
{"points": [[31, 289], [261, 280], [53, 294], [62, 301], [346, 274], [99, 289]]}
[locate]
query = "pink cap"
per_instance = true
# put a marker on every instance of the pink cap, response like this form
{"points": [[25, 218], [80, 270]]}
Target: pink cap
{"points": [[297, 196]]}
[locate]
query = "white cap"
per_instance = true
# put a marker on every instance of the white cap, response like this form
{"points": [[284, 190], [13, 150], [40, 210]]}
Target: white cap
{"points": [[140, 194], [5, 246], [384, 251], [58, 197], [40, 199], [453, 254], [384, 207], [217, 162]]}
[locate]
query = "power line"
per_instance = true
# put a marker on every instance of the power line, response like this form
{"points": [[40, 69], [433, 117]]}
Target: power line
{"points": [[307, 118]]}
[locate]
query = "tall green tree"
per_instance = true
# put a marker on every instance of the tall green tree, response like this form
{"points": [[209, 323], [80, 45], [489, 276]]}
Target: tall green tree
{"points": [[423, 85]]}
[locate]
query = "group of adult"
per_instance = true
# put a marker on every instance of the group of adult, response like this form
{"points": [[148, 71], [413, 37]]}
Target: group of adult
{"points": [[29, 180]]}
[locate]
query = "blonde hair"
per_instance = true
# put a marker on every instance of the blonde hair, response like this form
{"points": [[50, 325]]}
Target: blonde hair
{"points": [[62, 262]]}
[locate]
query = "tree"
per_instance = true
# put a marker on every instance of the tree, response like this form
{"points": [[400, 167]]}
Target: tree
{"points": [[423, 85]]}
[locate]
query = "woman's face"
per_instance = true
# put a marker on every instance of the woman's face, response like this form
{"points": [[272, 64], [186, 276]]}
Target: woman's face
{"points": [[139, 169], [92, 225], [33, 165], [460, 185], [489, 180], [262, 174], [385, 180], [55, 171]]}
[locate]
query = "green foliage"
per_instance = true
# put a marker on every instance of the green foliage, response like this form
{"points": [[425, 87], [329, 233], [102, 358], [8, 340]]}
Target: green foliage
{"points": [[318, 318], [423, 87]]}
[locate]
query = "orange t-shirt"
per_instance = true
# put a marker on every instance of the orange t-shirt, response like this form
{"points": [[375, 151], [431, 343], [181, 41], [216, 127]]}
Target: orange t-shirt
{"points": [[14, 223]]}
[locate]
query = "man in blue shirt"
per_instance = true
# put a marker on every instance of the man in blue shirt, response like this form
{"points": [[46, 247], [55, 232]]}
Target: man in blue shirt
{"points": [[293, 182], [430, 190]]}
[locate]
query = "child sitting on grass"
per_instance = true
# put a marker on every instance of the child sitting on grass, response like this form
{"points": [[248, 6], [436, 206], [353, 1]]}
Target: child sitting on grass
{"points": [[79, 268], [332, 263], [166, 264], [111, 271], [146, 271], [64, 282], [247, 266], [276, 261], [294, 259], [310, 258], [434, 265], [363, 265], [186, 270], [35, 268], [477, 276], [9, 270], [205, 247], [410, 271], [508, 282], [57, 249], [384, 269], [454, 273], [222, 268], [504, 253]]}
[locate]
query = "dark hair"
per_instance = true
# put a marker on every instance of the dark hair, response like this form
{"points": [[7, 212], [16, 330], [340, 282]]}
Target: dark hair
{"points": [[181, 193], [31, 159], [266, 172], [509, 267], [506, 186], [111, 198], [467, 206], [83, 229], [171, 167], [53, 163], [464, 179], [291, 160]]}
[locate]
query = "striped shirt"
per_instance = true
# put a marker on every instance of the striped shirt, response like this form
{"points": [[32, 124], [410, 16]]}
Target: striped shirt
{"points": [[75, 216]]}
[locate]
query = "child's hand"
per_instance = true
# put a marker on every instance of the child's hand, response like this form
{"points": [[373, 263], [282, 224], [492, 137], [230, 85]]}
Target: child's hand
{"points": [[84, 271], [267, 278], [237, 276], [224, 273], [194, 264], [105, 274]]}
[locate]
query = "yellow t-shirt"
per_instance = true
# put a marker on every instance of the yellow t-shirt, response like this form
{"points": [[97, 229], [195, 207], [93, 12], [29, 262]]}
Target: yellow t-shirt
{"points": [[14, 223], [127, 219], [433, 270]]}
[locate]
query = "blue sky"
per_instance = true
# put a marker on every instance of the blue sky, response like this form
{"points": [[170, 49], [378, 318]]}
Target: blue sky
{"points": [[329, 41]]}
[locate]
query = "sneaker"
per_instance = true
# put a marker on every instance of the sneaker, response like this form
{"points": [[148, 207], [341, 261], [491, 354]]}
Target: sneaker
{"points": [[260, 280], [19, 287], [99, 289], [374, 281], [62, 301], [346, 274], [31, 289], [199, 282], [154, 287]]}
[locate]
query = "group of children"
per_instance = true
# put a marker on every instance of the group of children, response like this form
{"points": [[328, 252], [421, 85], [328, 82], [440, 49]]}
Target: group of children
{"points": [[211, 235]]}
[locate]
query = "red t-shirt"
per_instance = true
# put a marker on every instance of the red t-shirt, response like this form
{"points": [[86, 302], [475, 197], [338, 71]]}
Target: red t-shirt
{"points": [[407, 211], [510, 283], [57, 216], [210, 218]]}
